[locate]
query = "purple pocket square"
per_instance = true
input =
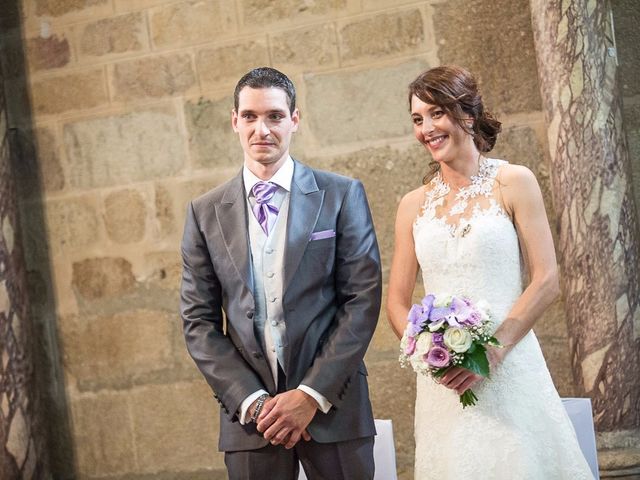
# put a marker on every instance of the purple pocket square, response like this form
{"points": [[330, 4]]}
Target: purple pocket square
{"points": [[322, 235]]}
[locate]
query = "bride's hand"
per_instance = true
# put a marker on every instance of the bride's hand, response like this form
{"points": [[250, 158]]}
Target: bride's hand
{"points": [[460, 379]]}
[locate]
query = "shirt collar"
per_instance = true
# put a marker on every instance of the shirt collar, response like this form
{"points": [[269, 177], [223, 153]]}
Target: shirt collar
{"points": [[282, 177]]}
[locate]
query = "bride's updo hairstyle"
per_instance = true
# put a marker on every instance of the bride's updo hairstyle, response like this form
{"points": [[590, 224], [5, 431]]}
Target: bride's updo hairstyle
{"points": [[455, 90]]}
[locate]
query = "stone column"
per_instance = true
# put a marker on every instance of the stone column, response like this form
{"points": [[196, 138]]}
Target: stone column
{"points": [[20, 441], [598, 225]]}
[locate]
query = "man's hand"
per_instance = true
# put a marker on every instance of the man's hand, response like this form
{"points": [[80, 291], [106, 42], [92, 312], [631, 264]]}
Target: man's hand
{"points": [[284, 419]]}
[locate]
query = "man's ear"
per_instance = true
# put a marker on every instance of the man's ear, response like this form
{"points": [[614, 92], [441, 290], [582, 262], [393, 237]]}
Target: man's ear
{"points": [[295, 118], [234, 120]]}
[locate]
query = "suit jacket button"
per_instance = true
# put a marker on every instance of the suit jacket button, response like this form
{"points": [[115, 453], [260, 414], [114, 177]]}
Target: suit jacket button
{"points": [[250, 314], [257, 355]]}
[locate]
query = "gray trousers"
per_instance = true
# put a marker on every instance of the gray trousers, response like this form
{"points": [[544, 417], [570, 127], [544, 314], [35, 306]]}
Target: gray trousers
{"points": [[350, 460]]}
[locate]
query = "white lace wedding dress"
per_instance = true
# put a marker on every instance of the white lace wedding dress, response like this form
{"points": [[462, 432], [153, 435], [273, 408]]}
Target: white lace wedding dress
{"points": [[518, 429]]}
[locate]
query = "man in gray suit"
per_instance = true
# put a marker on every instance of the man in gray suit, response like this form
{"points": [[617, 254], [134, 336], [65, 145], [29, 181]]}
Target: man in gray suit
{"points": [[280, 297]]}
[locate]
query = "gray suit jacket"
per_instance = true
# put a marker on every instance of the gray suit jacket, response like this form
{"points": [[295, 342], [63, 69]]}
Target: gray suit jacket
{"points": [[331, 302]]}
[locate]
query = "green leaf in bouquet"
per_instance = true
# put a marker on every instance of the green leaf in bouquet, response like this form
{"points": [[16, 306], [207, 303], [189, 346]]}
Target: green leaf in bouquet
{"points": [[477, 361], [494, 342], [439, 373], [472, 348]]}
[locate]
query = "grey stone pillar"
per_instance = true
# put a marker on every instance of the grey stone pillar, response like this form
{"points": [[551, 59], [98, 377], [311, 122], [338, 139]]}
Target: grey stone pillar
{"points": [[21, 442], [598, 246]]}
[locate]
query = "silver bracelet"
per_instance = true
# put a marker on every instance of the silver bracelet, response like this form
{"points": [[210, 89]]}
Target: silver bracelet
{"points": [[261, 399]]}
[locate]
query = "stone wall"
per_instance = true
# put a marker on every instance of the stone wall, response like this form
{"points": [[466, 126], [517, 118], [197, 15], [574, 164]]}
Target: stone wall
{"points": [[131, 104]]}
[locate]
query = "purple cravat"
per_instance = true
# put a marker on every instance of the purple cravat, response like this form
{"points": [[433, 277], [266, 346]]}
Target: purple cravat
{"points": [[263, 210]]}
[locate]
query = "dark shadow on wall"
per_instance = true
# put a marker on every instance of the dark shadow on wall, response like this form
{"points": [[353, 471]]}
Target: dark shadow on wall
{"points": [[51, 403]]}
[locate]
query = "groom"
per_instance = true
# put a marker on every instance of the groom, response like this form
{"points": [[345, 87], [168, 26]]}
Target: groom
{"points": [[280, 297]]}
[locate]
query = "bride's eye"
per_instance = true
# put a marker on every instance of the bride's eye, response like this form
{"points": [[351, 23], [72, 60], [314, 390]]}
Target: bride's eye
{"points": [[437, 113], [417, 120]]}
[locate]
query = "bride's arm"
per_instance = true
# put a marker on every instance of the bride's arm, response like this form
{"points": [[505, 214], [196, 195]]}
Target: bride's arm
{"points": [[522, 196], [404, 266]]}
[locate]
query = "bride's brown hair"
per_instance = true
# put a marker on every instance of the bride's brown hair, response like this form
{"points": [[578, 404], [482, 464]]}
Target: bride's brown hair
{"points": [[455, 90]]}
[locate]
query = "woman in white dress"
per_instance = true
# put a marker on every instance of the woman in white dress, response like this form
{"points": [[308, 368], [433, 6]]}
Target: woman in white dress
{"points": [[470, 228]]}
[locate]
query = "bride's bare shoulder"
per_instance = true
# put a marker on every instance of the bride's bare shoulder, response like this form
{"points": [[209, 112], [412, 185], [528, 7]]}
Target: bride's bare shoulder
{"points": [[411, 204]]}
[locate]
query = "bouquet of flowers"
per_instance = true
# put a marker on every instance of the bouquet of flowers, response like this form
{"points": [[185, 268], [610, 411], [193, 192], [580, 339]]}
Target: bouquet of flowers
{"points": [[446, 331]]}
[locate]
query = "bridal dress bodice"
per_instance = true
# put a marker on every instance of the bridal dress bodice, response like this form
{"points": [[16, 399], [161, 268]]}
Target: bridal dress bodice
{"points": [[466, 244]]}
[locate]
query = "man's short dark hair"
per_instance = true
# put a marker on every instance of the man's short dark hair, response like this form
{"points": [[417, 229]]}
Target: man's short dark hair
{"points": [[266, 77]]}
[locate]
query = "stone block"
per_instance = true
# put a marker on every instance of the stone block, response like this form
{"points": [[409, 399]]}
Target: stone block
{"points": [[392, 391], [132, 5], [48, 53], [57, 8], [389, 33], [226, 64], [165, 215], [557, 355], [115, 351], [187, 23], [95, 278], [103, 436], [212, 141], [74, 91], [468, 32], [51, 172], [122, 149], [383, 4], [626, 17], [387, 174], [71, 223], [553, 322], [164, 269], [379, 94], [305, 48], [112, 36], [261, 13], [125, 216], [153, 77], [190, 413]]}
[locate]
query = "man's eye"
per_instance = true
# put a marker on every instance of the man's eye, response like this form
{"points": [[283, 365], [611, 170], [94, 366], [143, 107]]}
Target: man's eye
{"points": [[276, 116]]}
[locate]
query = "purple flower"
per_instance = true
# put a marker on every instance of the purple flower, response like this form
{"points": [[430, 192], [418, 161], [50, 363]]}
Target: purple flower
{"points": [[415, 320], [438, 357], [474, 318], [411, 346], [427, 304], [461, 309], [438, 339]]}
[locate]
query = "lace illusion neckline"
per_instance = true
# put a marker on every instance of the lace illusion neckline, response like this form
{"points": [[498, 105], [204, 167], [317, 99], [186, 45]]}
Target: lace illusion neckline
{"points": [[481, 184]]}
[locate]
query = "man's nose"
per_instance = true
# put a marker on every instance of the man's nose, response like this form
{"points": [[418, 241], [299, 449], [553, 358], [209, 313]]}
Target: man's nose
{"points": [[262, 128]]}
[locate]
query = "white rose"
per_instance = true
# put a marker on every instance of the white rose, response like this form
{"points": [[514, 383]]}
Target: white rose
{"points": [[457, 339], [423, 344]]}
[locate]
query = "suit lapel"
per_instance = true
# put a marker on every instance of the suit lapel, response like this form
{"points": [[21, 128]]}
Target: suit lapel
{"points": [[304, 207], [232, 220]]}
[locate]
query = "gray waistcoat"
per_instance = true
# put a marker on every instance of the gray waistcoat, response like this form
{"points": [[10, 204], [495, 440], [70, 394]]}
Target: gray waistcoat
{"points": [[267, 255]]}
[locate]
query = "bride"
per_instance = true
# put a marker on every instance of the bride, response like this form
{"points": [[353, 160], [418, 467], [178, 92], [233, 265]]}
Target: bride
{"points": [[470, 228]]}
